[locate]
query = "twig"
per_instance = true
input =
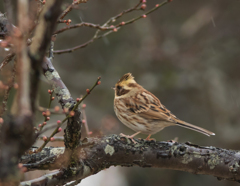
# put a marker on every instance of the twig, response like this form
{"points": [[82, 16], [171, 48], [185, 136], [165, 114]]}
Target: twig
{"points": [[52, 126], [46, 114], [52, 111], [51, 98], [6, 60], [82, 24], [85, 120], [113, 19], [56, 138], [98, 82], [114, 28], [95, 37], [69, 8], [142, 16]]}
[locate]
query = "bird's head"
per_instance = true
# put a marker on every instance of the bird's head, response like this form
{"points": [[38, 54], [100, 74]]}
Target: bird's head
{"points": [[125, 85]]}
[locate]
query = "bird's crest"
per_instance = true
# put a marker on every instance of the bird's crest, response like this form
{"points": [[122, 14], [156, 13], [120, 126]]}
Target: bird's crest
{"points": [[126, 77]]}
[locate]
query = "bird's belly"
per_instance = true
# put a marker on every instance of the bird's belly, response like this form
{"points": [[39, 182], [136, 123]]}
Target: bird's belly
{"points": [[141, 125]]}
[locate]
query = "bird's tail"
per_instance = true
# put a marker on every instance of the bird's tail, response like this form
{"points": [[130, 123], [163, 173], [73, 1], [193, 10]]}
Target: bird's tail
{"points": [[196, 128]]}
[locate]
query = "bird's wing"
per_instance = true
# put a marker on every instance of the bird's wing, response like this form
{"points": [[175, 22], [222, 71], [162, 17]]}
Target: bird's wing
{"points": [[146, 105]]}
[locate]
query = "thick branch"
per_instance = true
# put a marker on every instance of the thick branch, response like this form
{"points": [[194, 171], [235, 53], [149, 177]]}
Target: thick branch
{"points": [[73, 131], [114, 150], [97, 154], [42, 38]]}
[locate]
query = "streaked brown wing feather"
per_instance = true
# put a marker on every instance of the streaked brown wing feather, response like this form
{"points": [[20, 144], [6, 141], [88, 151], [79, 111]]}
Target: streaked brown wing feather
{"points": [[153, 115], [146, 105]]}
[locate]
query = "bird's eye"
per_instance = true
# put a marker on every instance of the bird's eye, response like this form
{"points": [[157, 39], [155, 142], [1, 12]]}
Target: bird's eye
{"points": [[119, 87]]}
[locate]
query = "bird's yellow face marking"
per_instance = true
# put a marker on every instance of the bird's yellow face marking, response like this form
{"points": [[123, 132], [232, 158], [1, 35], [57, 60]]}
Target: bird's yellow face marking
{"points": [[125, 84]]}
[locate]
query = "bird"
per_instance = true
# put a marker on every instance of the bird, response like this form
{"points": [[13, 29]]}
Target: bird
{"points": [[143, 112]]}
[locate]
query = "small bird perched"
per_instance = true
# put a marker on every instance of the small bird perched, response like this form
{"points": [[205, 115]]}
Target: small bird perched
{"points": [[142, 112]]}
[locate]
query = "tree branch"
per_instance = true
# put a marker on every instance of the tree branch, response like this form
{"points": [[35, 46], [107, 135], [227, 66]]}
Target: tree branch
{"points": [[42, 38], [97, 154], [73, 131]]}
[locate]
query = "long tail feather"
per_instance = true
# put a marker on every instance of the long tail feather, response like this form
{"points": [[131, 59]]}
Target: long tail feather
{"points": [[195, 128]]}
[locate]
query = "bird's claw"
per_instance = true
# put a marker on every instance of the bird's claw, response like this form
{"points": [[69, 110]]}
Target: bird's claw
{"points": [[128, 137]]}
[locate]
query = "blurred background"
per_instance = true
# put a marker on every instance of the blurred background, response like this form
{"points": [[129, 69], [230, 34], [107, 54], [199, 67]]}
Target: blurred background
{"points": [[187, 53]]}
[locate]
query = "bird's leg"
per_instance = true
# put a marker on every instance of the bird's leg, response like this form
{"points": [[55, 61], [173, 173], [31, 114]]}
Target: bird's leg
{"points": [[149, 139], [130, 137]]}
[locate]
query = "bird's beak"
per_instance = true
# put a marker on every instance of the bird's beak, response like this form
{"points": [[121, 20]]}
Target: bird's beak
{"points": [[113, 88]]}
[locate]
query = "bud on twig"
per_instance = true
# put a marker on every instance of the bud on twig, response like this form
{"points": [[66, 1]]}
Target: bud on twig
{"points": [[143, 6]]}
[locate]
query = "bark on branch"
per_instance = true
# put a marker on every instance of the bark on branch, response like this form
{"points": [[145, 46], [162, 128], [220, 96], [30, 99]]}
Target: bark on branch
{"points": [[73, 130], [97, 154]]}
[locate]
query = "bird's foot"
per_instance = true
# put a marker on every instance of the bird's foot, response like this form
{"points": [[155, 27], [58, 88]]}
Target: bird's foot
{"points": [[130, 137], [150, 139]]}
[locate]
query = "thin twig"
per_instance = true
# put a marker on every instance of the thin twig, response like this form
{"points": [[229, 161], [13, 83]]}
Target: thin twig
{"points": [[85, 120], [56, 138], [69, 8], [52, 111], [113, 19], [95, 37], [47, 128], [82, 24], [142, 16], [47, 113], [6, 60], [114, 28]]}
